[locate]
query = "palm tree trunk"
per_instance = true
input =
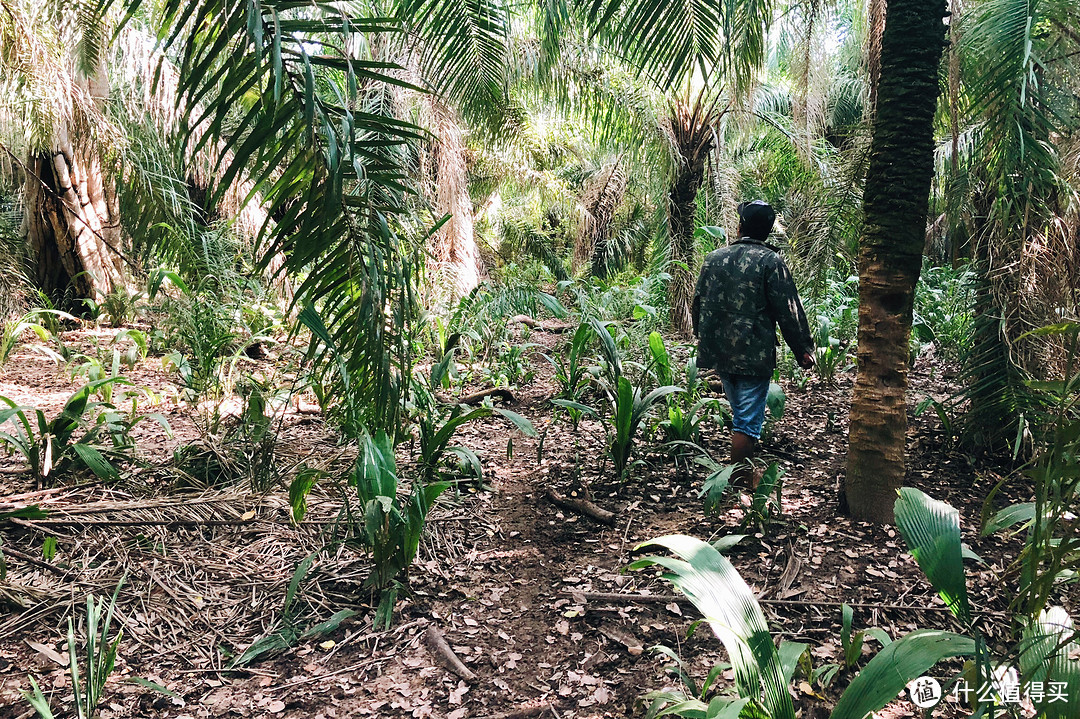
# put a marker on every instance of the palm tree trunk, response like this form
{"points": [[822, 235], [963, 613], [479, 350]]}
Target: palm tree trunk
{"points": [[890, 256], [72, 223], [682, 212], [454, 245]]}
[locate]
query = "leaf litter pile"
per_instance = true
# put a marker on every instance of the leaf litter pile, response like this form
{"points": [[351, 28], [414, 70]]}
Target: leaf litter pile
{"points": [[519, 604]]}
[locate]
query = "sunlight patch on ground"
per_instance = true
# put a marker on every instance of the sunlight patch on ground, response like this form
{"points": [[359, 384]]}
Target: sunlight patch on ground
{"points": [[21, 395]]}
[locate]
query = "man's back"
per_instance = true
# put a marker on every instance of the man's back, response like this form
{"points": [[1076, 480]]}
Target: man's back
{"points": [[745, 290]]}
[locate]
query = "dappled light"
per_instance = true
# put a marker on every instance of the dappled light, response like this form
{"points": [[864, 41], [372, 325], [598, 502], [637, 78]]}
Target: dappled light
{"points": [[607, 359]]}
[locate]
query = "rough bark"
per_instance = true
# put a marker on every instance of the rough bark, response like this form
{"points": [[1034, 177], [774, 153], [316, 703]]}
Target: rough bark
{"points": [[454, 246], [890, 256], [72, 223], [682, 210], [72, 219], [874, 32]]}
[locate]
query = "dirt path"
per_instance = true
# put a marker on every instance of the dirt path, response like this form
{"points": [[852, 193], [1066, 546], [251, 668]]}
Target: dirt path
{"points": [[503, 576]]}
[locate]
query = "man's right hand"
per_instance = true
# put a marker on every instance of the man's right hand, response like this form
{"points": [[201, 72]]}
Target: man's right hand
{"points": [[806, 361]]}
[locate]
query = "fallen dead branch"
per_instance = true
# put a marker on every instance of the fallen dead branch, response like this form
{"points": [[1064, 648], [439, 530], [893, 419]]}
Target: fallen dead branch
{"points": [[628, 598], [493, 392], [542, 325], [36, 562], [78, 522], [437, 643], [522, 712], [582, 506]]}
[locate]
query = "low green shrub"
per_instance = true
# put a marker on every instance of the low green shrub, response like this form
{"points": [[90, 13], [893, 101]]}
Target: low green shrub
{"points": [[84, 435]]}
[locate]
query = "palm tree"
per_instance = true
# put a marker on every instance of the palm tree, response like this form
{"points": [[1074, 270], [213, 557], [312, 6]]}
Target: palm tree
{"points": [[459, 53], [699, 55], [1014, 186], [693, 124], [91, 125], [890, 257], [55, 85]]}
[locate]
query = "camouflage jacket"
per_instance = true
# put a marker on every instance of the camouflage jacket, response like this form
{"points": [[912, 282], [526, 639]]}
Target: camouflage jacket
{"points": [[745, 290]]}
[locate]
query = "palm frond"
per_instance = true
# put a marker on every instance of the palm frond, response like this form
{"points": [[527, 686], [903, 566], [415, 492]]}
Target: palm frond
{"points": [[671, 40], [325, 160], [1019, 67], [463, 47]]}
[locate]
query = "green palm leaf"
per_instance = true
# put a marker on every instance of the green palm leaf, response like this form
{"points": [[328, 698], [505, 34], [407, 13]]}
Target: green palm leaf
{"points": [[1049, 654], [464, 46], [296, 106], [710, 581], [886, 675], [670, 40], [932, 532]]}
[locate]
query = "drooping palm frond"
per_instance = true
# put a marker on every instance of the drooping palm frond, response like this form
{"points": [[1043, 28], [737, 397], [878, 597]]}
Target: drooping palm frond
{"points": [[525, 237], [325, 160], [601, 196], [158, 210], [671, 40], [463, 48], [710, 581], [1018, 66]]}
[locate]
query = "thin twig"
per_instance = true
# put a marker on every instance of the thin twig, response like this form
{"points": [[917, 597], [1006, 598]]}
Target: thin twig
{"points": [[680, 599], [36, 562]]}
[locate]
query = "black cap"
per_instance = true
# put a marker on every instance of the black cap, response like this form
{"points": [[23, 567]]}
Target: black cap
{"points": [[757, 218]]}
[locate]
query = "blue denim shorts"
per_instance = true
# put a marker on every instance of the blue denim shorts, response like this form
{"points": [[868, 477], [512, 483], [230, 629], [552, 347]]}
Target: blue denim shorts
{"points": [[746, 395]]}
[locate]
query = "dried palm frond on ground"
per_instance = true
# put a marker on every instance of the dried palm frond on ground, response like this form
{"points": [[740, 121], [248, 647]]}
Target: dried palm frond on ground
{"points": [[206, 572]]}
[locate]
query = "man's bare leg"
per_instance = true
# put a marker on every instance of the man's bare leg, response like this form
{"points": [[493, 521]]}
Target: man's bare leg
{"points": [[742, 448]]}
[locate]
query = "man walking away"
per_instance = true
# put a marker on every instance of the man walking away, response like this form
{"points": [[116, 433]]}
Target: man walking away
{"points": [[745, 290]]}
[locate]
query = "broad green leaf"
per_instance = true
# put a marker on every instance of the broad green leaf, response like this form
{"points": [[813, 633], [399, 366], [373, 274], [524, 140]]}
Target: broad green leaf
{"points": [[723, 708], [330, 625], [553, 305], [710, 581], [264, 645], [32, 511], [932, 532], [95, 461], [660, 358], [881, 635], [886, 675], [1050, 652], [470, 459], [789, 653], [299, 489], [520, 422], [727, 541], [776, 400], [571, 404], [716, 233], [301, 571], [37, 700], [1015, 514]]}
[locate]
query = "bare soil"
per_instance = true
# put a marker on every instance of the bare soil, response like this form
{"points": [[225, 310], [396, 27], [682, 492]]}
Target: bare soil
{"points": [[504, 574]]}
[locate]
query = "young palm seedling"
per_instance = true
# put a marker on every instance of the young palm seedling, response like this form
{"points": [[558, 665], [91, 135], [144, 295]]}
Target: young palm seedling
{"points": [[90, 435], [90, 673], [571, 371], [435, 438], [630, 404], [389, 529], [691, 701]]}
